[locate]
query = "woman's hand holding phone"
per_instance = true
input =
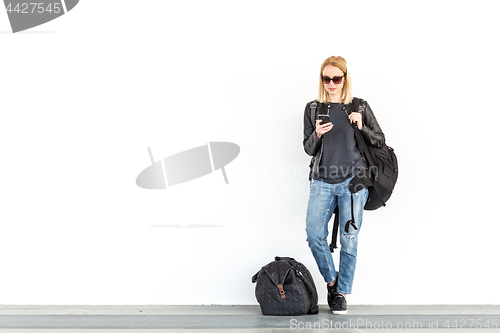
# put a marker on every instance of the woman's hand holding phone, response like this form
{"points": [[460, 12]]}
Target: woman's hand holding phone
{"points": [[322, 127]]}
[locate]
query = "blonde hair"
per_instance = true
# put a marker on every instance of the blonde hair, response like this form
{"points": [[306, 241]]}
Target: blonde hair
{"points": [[341, 64]]}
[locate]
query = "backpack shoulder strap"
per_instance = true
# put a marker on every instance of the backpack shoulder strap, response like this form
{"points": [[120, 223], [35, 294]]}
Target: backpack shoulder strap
{"points": [[335, 230], [314, 107], [354, 107], [365, 151]]}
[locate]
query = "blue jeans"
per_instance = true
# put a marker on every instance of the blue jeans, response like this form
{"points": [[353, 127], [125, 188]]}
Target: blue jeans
{"points": [[323, 198]]}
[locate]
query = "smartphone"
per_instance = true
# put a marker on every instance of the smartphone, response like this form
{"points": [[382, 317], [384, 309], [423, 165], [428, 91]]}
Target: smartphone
{"points": [[324, 119]]}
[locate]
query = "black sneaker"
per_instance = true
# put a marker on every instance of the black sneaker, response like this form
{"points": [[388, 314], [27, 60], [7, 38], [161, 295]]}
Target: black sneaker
{"points": [[339, 305], [332, 290]]}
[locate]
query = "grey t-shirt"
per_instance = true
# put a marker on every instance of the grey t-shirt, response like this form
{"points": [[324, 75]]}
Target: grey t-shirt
{"points": [[341, 158]]}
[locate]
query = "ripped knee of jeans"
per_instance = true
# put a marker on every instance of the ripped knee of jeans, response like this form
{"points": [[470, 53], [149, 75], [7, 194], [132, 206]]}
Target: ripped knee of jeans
{"points": [[349, 236]]}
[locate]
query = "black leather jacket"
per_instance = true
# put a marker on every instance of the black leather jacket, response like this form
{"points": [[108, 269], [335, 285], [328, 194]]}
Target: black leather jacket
{"points": [[372, 133]]}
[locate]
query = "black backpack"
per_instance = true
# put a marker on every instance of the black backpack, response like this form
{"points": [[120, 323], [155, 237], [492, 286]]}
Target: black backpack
{"points": [[382, 173], [285, 288], [380, 177]]}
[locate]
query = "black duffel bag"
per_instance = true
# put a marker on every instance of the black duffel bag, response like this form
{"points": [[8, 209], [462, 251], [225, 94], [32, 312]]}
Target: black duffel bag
{"points": [[285, 287]]}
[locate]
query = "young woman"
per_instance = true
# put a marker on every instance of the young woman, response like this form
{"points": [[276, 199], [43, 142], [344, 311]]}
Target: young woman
{"points": [[330, 139]]}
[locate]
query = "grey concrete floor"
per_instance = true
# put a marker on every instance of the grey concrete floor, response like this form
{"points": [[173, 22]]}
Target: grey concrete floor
{"points": [[246, 319]]}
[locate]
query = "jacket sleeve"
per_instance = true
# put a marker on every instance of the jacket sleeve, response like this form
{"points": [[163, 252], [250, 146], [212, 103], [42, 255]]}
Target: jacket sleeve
{"points": [[311, 141], [371, 130]]}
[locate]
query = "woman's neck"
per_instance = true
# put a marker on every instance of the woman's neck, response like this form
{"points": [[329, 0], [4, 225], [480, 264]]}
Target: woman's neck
{"points": [[334, 99]]}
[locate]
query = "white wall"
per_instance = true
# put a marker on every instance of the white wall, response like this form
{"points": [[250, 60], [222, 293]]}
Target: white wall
{"points": [[83, 96]]}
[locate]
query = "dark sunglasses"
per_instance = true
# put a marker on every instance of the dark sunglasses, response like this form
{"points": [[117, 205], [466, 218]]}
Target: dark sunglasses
{"points": [[335, 79]]}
